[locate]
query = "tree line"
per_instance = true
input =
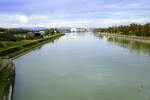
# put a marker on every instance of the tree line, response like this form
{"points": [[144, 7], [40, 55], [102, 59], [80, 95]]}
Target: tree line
{"points": [[51, 31], [7, 34], [132, 29], [14, 30]]}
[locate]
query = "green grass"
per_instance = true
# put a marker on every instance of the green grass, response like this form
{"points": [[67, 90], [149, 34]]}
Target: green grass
{"points": [[0, 62], [4, 74], [4, 45]]}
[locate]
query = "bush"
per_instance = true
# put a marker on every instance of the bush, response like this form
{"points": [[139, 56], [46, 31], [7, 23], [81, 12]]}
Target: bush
{"points": [[8, 37], [38, 35], [30, 36], [51, 32]]}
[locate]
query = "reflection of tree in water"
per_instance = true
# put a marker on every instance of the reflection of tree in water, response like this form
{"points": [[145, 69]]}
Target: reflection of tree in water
{"points": [[132, 45], [101, 36], [52, 40]]}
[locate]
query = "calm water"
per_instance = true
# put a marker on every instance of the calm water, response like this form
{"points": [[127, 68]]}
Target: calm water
{"points": [[82, 66]]}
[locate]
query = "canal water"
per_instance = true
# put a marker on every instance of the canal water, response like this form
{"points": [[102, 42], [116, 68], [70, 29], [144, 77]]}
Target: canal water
{"points": [[84, 66]]}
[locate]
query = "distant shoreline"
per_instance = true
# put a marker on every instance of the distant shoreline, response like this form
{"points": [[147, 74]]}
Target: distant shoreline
{"points": [[127, 37]]}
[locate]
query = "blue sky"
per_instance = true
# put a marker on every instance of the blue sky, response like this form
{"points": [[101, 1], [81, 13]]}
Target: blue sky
{"points": [[73, 13]]}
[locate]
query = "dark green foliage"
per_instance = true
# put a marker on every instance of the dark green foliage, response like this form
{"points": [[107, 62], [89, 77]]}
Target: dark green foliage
{"points": [[51, 31], [2, 29], [33, 36], [38, 35], [16, 31], [132, 29], [30, 36], [8, 37]]}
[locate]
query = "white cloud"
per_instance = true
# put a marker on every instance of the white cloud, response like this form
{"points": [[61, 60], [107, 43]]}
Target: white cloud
{"points": [[20, 20], [13, 18]]}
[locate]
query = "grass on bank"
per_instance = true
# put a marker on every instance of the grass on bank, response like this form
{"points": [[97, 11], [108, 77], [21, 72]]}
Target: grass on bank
{"points": [[4, 74], [4, 45], [0, 62]]}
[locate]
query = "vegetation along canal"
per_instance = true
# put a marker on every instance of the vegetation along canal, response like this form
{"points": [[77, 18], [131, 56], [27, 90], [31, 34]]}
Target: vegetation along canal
{"points": [[82, 66]]}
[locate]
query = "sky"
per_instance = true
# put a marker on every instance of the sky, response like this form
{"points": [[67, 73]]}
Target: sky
{"points": [[73, 13]]}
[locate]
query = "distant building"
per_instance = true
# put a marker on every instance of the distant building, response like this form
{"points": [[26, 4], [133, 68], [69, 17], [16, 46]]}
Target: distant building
{"points": [[78, 30], [40, 32], [30, 33], [37, 32]]}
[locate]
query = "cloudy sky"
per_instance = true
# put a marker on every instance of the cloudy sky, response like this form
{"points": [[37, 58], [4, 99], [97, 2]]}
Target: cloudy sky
{"points": [[74, 13]]}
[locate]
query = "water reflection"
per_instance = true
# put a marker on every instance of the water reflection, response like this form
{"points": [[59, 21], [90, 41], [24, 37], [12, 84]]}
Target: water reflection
{"points": [[52, 40], [81, 66], [132, 45]]}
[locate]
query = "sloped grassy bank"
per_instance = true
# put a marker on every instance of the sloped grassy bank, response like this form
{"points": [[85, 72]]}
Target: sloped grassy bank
{"points": [[17, 50], [7, 68]]}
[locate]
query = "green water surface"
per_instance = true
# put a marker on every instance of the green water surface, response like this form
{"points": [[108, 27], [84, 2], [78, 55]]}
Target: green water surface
{"points": [[81, 66]]}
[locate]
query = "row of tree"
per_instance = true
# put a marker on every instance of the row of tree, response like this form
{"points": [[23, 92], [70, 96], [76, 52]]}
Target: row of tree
{"points": [[15, 34], [51, 31], [47, 32], [132, 29], [9, 37], [14, 30]]}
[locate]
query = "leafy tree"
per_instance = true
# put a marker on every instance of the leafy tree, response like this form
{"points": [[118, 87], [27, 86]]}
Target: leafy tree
{"points": [[51, 31], [30, 36], [132, 29], [8, 37]]}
